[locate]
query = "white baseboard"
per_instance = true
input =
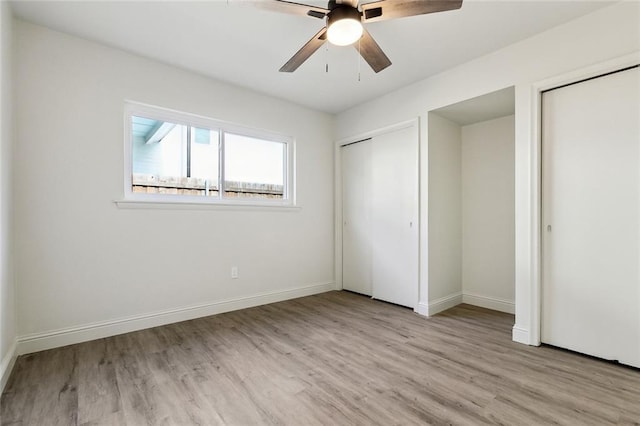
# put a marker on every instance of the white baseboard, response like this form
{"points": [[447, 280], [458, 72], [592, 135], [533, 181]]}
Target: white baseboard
{"points": [[422, 309], [496, 304], [444, 303], [6, 365], [68, 336], [520, 335], [447, 302]]}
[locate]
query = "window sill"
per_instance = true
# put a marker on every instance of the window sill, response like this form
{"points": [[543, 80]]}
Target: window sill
{"points": [[195, 205]]}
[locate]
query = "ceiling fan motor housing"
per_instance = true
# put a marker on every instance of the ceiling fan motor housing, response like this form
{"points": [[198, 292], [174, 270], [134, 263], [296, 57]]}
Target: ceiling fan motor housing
{"points": [[340, 12]]}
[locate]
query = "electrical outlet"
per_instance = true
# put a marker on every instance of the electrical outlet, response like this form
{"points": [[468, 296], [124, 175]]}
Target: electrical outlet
{"points": [[234, 272]]}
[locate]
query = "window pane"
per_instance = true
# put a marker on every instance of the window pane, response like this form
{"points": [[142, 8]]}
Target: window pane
{"points": [[164, 164], [254, 167], [185, 159], [204, 157]]}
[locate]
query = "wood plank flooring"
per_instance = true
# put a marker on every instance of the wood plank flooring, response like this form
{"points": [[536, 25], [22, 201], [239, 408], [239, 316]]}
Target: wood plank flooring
{"points": [[332, 359]]}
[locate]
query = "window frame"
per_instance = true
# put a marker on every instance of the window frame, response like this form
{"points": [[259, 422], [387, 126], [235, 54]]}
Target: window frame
{"points": [[193, 120]]}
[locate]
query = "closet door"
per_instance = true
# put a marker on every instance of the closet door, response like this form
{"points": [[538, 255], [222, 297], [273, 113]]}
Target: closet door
{"points": [[394, 217], [356, 217], [591, 217]]}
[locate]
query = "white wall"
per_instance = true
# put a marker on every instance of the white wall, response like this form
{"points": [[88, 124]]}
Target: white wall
{"points": [[83, 262], [600, 36], [471, 228], [7, 285], [445, 240], [607, 33], [488, 216]]}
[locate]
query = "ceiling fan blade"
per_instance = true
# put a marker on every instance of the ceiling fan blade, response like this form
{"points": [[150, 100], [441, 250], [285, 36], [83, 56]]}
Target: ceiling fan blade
{"points": [[391, 9], [306, 51], [372, 53], [293, 8]]}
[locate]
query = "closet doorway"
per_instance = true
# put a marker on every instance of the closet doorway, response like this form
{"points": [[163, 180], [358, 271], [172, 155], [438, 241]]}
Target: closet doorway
{"points": [[471, 203], [380, 227]]}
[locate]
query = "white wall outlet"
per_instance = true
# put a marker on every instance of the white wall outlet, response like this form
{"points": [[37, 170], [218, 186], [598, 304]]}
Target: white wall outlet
{"points": [[234, 272]]}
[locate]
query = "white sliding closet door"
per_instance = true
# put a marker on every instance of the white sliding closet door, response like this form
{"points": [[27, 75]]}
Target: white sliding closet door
{"points": [[395, 217], [591, 217], [380, 217], [356, 217]]}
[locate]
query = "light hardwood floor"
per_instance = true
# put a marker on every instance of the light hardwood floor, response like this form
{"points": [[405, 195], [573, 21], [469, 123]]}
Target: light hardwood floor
{"points": [[334, 359]]}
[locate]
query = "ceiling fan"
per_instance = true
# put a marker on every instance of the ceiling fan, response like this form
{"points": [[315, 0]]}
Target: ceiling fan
{"points": [[344, 19]]}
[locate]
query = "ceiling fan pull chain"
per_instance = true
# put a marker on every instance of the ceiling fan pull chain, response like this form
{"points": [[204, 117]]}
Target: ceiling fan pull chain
{"points": [[326, 57], [359, 57]]}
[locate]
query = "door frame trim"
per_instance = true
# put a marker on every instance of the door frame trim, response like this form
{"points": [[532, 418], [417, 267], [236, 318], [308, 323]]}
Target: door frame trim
{"points": [[527, 328]]}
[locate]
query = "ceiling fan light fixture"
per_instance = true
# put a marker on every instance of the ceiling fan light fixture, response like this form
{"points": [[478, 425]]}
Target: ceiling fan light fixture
{"points": [[344, 26]]}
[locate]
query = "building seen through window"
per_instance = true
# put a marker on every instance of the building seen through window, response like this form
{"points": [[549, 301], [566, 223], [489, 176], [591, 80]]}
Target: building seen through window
{"points": [[180, 159]]}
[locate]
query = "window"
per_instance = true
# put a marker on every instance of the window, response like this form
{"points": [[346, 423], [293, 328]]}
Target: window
{"points": [[177, 157]]}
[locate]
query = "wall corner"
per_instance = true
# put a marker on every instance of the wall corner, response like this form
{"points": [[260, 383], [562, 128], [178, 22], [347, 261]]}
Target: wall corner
{"points": [[7, 364], [422, 309]]}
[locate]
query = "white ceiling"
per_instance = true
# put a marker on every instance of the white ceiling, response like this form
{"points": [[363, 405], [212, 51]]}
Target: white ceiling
{"points": [[237, 42], [482, 108]]}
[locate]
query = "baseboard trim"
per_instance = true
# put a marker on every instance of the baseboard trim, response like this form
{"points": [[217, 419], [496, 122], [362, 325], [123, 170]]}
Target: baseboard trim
{"points": [[444, 303], [520, 335], [72, 335], [422, 309], [6, 365], [496, 304]]}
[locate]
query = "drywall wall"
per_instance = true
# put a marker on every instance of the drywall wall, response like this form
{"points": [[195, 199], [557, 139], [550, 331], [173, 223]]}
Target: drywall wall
{"points": [[488, 215], [606, 34], [471, 227], [87, 268], [445, 240], [7, 287]]}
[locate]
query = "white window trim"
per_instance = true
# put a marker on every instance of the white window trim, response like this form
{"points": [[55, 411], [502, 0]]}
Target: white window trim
{"points": [[138, 200]]}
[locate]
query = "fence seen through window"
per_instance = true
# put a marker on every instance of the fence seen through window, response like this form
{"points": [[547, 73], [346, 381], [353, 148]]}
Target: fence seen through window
{"points": [[180, 159]]}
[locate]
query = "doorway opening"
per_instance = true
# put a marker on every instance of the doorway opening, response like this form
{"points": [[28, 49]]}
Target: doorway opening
{"points": [[471, 203]]}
